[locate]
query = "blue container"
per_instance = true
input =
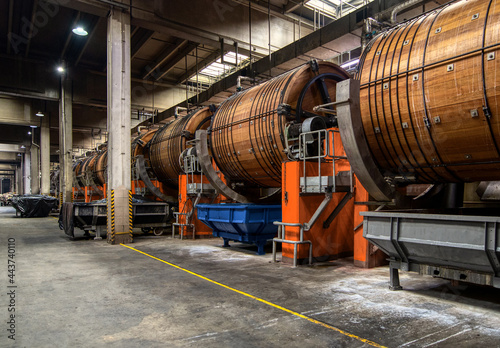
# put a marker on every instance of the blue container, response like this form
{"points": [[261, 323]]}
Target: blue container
{"points": [[246, 223]]}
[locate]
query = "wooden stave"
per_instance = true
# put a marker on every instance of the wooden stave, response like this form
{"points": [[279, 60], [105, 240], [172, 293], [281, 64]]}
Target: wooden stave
{"points": [[97, 163], [234, 158], [92, 163], [428, 163], [167, 144], [140, 143], [100, 168], [83, 167], [76, 169]]}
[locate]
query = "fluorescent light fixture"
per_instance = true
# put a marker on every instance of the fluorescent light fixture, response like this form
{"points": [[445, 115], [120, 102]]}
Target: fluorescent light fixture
{"points": [[60, 69], [350, 64], [19, 154], [29, 133], [216, 70], [40, 114], [334, 8], [80, 31], [23, 147], [33, 126]]}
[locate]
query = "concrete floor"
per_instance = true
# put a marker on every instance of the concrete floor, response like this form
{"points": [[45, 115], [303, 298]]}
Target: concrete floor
{"points": [[87, 293]]}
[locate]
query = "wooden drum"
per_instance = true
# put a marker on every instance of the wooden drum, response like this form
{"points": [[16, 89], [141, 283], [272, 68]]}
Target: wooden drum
{"points": [[170, 141], [430, 92], [248, 130], [100, 168], [83, 167], [76, 170], [140, 142]]}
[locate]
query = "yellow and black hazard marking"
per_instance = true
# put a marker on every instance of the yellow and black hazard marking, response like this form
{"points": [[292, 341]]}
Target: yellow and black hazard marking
{"points": [[130, 215], [113, 215], [60, 199]]}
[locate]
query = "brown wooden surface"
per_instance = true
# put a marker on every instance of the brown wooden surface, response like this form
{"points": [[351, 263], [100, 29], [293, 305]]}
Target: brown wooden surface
{"points": [[100, 168], [169, 142], [76, 170], [84, 166], [458, 147], [140, 142], [248, 136]]}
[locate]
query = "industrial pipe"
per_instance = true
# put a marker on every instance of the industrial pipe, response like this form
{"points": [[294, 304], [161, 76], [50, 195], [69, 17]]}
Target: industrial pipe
{"points": [[242, 78], [402, 7]]}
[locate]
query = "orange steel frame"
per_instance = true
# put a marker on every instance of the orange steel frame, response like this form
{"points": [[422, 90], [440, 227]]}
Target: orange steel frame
{"points": [[366, 255], [88, 194], [339, 239], [334, 242], [186, 203], [139, 184]]}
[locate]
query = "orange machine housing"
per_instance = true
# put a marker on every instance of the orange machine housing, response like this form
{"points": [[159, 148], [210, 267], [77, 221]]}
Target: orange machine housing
{"points": [[328, 243], [89, 194], [186, 202], [340, 239], [138, 185], [366, 255]]}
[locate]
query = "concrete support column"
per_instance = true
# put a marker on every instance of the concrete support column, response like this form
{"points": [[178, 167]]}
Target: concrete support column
{"points": [[35, 169], [66, 139], [27, 172], [45, 156], [119, 166], [19, 179]]}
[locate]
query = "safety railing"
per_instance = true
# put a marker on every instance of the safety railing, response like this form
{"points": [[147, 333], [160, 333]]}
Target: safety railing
{"points": [[319, 146], [331, 154], [182, 226], [281, 239]]}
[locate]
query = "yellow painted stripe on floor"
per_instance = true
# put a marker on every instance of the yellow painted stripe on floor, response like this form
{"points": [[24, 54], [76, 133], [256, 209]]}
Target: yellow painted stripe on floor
{"points": [[364, 340]]}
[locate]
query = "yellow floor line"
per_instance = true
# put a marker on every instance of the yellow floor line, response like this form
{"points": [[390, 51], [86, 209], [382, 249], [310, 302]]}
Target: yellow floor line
{"points": [[364, 340]]}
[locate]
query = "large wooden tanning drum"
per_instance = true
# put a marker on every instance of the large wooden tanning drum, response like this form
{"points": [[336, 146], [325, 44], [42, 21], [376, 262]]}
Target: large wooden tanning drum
{"points": [[430, 92], [100, 168], [170, 141], [248, 132], [81, 169], [140, 142], [76, 171]]}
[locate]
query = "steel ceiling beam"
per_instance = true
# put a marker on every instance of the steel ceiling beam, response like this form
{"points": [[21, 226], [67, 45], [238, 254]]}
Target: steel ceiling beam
{"points": [[292, 6], [89, 38], [30, 36], [144, 35], [202, 64], [165, 55], [9, 25], [276, 12], [176, 59], [70, 35]]}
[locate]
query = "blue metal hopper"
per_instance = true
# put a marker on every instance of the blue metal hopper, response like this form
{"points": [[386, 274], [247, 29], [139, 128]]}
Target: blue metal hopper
{"points": [[246, 223]]}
